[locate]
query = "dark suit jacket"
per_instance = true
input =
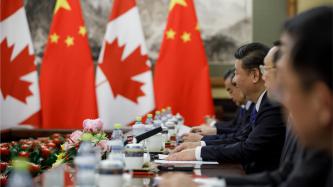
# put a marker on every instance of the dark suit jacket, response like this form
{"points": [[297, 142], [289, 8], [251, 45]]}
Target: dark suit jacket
{"points": [[261, 150], [290, 154], [309, 168], [229, 126], [232, 134], [240, 135]]}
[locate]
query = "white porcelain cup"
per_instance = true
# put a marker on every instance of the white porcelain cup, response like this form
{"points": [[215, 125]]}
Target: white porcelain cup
{"points": [[155, 143], [110, 170], [104, 180], [133, 163], [134, 156]]}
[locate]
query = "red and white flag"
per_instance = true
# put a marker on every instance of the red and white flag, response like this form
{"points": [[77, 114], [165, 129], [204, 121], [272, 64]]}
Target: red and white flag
{"points": [[124, 79], [19, 101]]}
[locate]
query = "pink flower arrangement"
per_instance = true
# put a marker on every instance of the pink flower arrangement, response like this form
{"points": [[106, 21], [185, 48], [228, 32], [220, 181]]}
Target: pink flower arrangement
{"points": [[92, 131], [92, 125], [75, 137]]}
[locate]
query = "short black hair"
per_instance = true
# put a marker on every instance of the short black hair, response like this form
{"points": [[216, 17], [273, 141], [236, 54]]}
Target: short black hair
{"points": [[277, 43], [252, 55], [230, 73], [311, 54]]}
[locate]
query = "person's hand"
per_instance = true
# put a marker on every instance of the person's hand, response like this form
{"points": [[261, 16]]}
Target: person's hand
{"points": [[204, 130], [197, 129], [191, 137], [176, 180], [185, 155], [186, 145]]}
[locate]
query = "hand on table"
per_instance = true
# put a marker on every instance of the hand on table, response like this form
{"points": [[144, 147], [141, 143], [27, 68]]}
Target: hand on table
{"points": [[186, 145], [177, 180], [191, 137], [204, 130], [185, 155]]}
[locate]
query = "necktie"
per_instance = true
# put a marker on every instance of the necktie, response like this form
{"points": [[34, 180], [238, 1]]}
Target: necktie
{"points": [[241, 112], [253, 116]]}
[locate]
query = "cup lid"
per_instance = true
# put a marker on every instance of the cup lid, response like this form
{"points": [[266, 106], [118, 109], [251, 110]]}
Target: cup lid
{"points": [[135, 147]]}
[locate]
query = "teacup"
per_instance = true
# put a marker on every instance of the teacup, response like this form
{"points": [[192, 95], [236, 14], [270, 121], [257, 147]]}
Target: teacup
{"points": [[134, 156], [155, 143], [110, 170]]}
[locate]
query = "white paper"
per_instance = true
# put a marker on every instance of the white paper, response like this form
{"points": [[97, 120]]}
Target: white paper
{"points": [[183, 162], [202, 182], [162, 157], [210, 182]]}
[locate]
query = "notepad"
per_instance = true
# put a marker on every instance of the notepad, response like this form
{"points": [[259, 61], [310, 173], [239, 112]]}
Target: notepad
{"points": [[183, 162]]}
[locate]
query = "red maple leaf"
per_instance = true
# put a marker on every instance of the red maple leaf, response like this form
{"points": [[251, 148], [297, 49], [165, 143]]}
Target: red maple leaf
{"points": [[13, 70], [120, 72]]}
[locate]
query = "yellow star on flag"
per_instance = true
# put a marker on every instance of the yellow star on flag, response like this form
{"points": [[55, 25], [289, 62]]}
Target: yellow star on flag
{"points": [[82, 30], [61, 4], [69, 41], [54, 38], [170, 34], [186, 37], [173, 3]]}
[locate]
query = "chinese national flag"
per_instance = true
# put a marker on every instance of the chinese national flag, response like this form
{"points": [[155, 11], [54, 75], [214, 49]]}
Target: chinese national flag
{"points": [[181, 77], [67, 72]]}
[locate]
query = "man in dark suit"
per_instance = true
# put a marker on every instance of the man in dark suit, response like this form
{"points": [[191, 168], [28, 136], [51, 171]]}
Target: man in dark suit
{"points": [[261, 150], [224, 129], [307, 93], [306, 89]]}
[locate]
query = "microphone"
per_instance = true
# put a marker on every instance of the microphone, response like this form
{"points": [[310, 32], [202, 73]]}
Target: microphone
{"points": [[146, 135]]}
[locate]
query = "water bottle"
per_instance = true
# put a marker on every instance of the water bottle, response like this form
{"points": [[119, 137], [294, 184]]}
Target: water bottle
{"points": [[20, 177], [149, 120], [116, 144], [85, 163], [163, 112], [164, 118], [169, 112], [138, 127], [157, 115], [180, 119], [117, 133]]}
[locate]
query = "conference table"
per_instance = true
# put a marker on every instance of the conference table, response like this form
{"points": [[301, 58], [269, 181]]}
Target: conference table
{"points": [[65, 175]]}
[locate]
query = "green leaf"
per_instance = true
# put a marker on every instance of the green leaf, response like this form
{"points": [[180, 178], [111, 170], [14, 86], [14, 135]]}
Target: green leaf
{"points": [[35, 156]]}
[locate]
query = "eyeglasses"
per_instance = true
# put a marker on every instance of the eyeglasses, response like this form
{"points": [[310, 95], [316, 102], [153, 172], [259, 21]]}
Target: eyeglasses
{"points": [[263, 68]]}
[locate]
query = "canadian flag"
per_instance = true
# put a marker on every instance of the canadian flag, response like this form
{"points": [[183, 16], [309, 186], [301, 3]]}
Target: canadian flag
{"points": [[124, 79], [19, 101]]}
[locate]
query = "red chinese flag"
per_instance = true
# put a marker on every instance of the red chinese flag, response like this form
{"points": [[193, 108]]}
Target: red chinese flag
{"points": [[67, 72], [181, 77]]}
